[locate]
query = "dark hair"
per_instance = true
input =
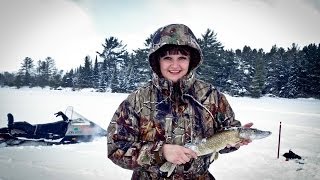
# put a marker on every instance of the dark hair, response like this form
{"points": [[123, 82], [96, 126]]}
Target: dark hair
{"points": [[174, 49]]}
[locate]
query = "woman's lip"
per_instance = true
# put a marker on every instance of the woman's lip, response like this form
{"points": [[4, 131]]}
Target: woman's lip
{"points": [[174, 71]]}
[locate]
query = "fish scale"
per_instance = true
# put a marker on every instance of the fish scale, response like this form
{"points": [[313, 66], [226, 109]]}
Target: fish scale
{"points": [[218, 142]]}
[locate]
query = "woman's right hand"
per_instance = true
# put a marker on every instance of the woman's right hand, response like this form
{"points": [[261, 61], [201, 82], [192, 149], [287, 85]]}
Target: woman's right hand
{"points": [[177, 154]]}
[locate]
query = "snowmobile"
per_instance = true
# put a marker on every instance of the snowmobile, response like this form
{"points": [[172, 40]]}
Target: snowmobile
{"points": [[74, 128]]}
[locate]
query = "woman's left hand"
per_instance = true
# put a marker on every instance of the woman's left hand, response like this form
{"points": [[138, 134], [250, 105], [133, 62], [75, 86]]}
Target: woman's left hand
{"points": [[245, 141]]}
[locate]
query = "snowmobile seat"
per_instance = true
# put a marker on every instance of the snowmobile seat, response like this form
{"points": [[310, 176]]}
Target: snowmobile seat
{"points": [[53, 130]]}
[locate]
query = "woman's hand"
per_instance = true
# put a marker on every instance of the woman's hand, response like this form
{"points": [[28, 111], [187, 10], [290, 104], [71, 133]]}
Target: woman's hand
{"points": [[177, 154], [245, 141]]}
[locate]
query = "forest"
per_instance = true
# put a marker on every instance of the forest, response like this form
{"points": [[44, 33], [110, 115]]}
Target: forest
{"points": [[289, 73]]}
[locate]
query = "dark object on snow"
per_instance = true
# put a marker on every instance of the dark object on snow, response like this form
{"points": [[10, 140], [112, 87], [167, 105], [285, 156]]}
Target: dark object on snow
{"points": [[72, 129], [291, 155]]}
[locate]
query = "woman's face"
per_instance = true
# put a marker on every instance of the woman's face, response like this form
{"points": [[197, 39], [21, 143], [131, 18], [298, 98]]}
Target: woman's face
{"points": [[175, 66]]}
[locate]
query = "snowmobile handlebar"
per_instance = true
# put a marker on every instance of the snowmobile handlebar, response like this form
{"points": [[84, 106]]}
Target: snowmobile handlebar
{"points": [[60, 113]]}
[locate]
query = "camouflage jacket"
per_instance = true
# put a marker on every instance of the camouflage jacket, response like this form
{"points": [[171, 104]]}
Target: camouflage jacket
{"points": [[163, 112]]}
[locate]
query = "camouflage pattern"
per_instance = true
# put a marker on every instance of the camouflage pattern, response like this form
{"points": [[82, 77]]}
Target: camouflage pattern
{"points": [[163, 112], [177, 34]]}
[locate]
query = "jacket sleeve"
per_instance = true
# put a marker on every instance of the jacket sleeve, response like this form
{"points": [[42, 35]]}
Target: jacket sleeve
{"points": [[125, 147], [226, 115], [227, 119]]}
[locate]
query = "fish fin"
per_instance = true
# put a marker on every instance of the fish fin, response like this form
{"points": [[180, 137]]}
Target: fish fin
{"points": [[165, 166], [214, 156], [168, 167], [234, 144], [173, 166]]}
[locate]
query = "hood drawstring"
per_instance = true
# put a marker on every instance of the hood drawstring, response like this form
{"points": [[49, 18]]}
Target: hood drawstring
{"points": [[201, 105], [221, 123]]}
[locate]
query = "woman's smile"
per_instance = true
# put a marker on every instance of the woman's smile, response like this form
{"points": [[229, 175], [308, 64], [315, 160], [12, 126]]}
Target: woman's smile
{"points": [[174, 66]]}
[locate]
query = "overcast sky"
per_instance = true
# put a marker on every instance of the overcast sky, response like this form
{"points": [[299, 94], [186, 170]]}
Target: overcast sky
{"points": [[68, 30]]}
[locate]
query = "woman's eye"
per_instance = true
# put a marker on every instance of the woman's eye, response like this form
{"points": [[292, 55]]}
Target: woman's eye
{"points": [[167, 58], [183, 58]]}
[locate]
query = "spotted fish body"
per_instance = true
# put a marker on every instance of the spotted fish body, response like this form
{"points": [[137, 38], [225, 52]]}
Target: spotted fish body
{"points": [[218, 142]]}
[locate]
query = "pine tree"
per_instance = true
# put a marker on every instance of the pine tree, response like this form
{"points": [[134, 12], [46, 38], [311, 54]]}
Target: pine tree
{"points": [[292, 58], [56, 79], [42, 79], [50, 70], [95, 74], [112, 55], [244, 65], [274, 71], [139, 69], [45, 72], [258, 80], [212, 68], [7, 79], [85, 80], [230, 73], [312, 66], [103, 77], [67, 80], [26, 72]]}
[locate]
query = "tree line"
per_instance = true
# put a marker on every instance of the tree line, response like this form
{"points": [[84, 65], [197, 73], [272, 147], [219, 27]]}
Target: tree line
{"points": [[291, 73]]}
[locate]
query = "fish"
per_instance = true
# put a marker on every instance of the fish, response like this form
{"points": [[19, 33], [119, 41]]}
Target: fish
{"points": [[219, 141]]}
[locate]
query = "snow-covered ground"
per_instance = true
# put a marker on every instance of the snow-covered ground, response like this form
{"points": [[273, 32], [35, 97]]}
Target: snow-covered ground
{"points": [[300, 132]]}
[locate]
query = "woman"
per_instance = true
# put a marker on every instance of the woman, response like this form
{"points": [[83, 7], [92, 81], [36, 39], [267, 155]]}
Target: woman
{"points": [[154, 123]]}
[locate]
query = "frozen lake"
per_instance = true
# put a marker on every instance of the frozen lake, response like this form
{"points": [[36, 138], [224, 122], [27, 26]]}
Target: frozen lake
{"points": [[300, 132]]}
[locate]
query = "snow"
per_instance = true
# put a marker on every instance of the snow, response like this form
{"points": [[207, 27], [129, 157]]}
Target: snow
{"points": [[300, 132]]}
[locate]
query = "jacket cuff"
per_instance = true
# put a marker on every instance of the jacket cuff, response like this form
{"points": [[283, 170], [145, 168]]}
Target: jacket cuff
{"points": [[158, 153]]}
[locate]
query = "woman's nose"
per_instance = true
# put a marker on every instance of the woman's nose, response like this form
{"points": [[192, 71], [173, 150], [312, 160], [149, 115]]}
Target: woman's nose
{"points": [[175, 63]]}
